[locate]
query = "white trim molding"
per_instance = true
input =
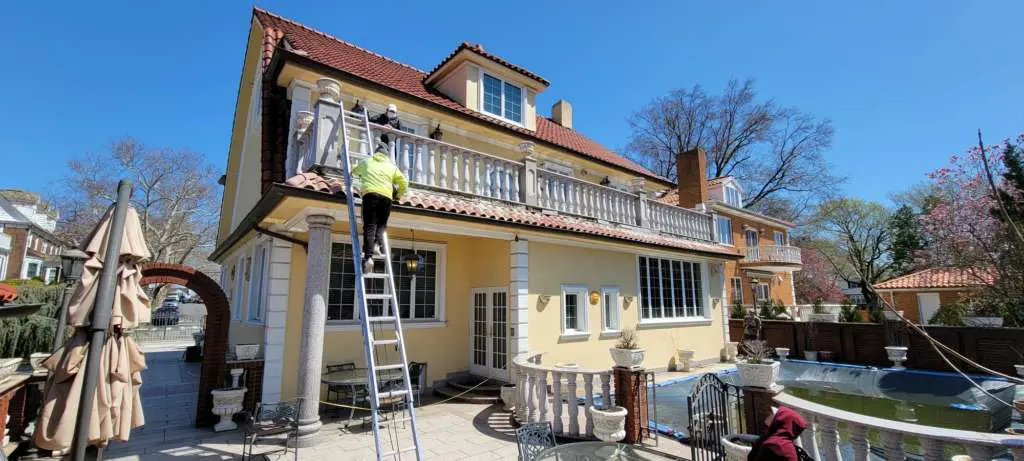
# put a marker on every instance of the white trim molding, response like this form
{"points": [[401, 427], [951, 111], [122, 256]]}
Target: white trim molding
{"points": [[519, 297], [276, 318]]}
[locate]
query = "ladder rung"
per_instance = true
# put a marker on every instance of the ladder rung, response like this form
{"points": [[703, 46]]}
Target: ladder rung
{"points": [[394, 366], [371, 297], [390, 394], [385, 342], [388, 318], [400, 450], [375, 275], [395, 421]]}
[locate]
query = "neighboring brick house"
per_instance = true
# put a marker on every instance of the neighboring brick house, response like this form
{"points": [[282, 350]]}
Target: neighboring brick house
{"points": [[919, 294], [28, 247]]}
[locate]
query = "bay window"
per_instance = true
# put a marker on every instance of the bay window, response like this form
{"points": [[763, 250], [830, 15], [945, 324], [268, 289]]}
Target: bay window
{"points": [[670, 289]]}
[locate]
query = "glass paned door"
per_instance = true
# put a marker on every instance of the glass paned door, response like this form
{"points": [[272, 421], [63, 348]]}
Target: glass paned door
{"points": [[489, 333]]}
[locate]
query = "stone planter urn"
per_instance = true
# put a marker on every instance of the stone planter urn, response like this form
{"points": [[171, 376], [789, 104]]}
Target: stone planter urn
{"points": [[898, 355], [36, 360], [508, 396], [761, 375], [329, 89], [609, 424], [782, 352], [737, 447], [246, 351], [684, 359], [226, 402], [632, 359], [731, 349], [303, 120]]}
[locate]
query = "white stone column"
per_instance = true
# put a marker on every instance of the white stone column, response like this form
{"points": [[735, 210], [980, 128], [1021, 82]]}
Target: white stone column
{"points": [[301, 94], [314, 318], [519, 263], [277, 313]]}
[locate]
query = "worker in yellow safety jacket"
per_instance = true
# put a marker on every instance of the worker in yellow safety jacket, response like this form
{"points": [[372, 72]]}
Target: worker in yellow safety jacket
{"points": [[380, 183]]}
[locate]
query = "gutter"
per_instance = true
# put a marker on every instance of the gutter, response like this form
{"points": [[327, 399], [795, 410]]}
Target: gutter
{"points": [[279, 191]]}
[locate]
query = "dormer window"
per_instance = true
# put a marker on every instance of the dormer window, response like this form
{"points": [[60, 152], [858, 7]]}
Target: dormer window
{"points": [[733, 197], [502, 99]]}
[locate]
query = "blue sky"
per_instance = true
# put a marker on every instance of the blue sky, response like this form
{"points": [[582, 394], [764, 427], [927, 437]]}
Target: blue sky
{"points": [[906, 83]]}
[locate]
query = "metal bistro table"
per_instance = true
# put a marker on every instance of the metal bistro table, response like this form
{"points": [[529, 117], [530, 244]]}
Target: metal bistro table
{"points": [[600, 451], [355, 380]]}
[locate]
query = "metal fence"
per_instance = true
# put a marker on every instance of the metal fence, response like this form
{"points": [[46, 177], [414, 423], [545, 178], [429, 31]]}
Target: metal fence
{"points": [[170, 328], [715, 409]]}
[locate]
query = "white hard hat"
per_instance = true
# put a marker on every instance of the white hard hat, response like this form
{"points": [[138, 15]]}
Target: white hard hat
{"points": [[392, 108]]}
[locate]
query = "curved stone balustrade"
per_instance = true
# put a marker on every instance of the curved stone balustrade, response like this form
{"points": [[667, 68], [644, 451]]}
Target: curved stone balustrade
{"points": [[823, 423], [533, 404]]}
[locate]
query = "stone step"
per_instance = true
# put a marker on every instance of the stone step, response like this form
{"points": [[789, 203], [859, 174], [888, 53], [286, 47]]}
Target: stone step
{"points": [[490, 387], [467, 397]]}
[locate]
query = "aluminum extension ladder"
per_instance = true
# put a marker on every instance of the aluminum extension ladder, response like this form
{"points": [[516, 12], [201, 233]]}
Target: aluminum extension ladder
{"points": [[388, 318]]}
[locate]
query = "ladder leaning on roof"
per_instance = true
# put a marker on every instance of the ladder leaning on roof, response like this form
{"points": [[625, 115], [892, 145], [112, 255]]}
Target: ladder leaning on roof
{"points": [[379, 320]]}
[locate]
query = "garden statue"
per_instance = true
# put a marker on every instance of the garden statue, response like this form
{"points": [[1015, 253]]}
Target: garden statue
{"points": [[751, 326]]}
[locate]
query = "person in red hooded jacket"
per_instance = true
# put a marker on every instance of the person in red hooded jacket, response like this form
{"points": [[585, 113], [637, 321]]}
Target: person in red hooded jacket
{"points": [[778, 443]]}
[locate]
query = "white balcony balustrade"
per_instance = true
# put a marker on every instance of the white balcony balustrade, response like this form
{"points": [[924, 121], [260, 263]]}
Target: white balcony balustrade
{"points": [[826, 424], [560, 406], [437, 165], [783, 254]]}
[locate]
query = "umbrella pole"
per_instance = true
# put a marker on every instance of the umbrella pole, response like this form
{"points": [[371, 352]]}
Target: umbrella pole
{"points": [[100, 321]]}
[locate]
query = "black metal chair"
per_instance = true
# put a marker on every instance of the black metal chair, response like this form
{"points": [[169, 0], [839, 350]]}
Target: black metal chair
{"points": [[418, 378], [533, 438], [270, 421], [340, 394]]}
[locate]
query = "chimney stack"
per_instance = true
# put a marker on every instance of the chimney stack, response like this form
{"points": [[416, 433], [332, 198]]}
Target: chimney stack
{"points": [[561, 113], [692, 174]]}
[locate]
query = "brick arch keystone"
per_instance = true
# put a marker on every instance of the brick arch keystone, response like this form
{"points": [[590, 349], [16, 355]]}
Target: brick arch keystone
{"points": [[218, 314]]}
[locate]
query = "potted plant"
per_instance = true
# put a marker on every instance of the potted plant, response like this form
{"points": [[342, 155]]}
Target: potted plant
{"points": [[897, 342], [738, 311], [738, 446], [782, 353], [821, 315], [684, 359], [810, 342], [609, 423], [757, 370], [627, 352]]}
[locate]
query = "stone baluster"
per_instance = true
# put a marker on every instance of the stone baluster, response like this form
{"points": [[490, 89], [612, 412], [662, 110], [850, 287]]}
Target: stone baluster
{"points": [[443, 161], [416, 168], [499, 179], [829, 429], [531, 408], [606, 390], [402, 146], [514, 193], [588, 399], [892, 442], [477, 166], [978, 452], [807, 439], [467, 160], [456, 167], [562, 199], [574, 408], [933, 449], [524, 394], [542, 394], [488, 177], [556, 401], [431, 170], [859, 440]]}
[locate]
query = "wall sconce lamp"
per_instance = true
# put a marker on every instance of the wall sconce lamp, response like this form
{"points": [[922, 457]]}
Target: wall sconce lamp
{"points": [[544, 299], [628, 299], [595, 297]]}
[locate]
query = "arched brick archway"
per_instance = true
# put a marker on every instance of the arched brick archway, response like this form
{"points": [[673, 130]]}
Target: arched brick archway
{"points": [[218, 314]]}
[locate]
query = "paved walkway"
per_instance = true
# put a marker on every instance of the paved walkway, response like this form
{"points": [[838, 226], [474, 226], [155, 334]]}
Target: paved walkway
{"points": [[170, 391]]}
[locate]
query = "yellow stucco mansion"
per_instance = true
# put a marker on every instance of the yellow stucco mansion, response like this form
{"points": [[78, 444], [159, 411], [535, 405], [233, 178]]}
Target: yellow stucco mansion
{"points": [[533, 237]]}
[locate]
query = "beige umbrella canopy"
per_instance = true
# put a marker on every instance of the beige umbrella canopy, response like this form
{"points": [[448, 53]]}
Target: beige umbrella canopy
{"points": [[117, 407]]}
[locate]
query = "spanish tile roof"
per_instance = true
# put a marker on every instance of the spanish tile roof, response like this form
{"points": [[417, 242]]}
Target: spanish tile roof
{"points": [[344, 56], [717, 181], [518, 214], [940, 277], [479, 49]]}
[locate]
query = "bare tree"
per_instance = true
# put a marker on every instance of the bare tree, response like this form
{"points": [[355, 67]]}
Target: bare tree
{"points": [[855, 238], [175, 193], [777, 153]]}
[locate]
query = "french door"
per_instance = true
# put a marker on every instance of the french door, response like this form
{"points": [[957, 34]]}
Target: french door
{"points": [[488, 329]]}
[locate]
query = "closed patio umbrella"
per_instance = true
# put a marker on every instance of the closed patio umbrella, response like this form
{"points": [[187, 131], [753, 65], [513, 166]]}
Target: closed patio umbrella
{"points": [[116, 408]]}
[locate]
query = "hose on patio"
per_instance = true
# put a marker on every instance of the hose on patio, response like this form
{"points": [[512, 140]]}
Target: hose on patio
{"points": [[449, 399]]}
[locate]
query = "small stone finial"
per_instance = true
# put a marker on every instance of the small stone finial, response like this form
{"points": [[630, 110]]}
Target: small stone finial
{"points": [[303, 120], [329, 89]]}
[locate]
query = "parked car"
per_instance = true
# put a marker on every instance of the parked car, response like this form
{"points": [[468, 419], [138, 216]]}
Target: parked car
{"points": [[165, 316]]}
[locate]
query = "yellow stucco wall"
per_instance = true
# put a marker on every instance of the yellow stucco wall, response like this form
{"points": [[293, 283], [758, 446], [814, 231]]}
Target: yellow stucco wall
{"points": [[551, 266]]}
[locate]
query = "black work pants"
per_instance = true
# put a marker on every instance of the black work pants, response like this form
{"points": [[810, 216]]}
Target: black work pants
{"points": [[376, 210]]}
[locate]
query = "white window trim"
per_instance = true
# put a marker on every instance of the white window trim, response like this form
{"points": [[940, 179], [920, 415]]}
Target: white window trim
{"points": [[732, 286], [739, 196], [757, 237], [705, 319], [522, 102], [731, 241], [441, 318], [617, 300], [581, 315], [237, 295], [264, 278], [757, 292], [785, 241]]}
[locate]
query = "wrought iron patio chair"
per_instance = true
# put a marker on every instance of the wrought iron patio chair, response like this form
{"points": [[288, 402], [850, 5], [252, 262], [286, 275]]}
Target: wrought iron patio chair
{"points": [[271, 421], [418, 375], [341, 394], [533, 438]]}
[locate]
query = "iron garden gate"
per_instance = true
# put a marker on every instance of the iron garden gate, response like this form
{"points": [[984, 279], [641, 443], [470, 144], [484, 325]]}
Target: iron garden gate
{"points": [[715, 409]]}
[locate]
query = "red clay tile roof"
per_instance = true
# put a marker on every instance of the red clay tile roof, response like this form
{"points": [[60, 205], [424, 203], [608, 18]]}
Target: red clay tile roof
{"points": [[362, 63], [518, 214], [479, 49], [940, 277]]}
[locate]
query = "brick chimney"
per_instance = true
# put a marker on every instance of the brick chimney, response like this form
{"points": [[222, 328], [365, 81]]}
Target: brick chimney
{"points": [[561, 113], [692, 174]]}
